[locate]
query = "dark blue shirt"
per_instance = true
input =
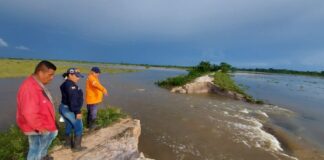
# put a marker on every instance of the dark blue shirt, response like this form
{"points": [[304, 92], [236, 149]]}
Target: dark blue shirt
{"points": [[72, 96]]}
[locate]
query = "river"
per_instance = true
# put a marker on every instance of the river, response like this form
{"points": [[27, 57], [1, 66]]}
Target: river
{"points": [[189, 127]]}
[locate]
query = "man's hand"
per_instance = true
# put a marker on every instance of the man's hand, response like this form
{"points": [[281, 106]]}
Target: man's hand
{"points": [[79, 116], [106, 93]]}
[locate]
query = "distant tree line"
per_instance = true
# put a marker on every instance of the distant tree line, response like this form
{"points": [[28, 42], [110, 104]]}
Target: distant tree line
{"points": [[205, 67], [281, 71]]}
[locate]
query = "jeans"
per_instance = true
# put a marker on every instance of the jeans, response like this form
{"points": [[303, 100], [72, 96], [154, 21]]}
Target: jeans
{"points": [[92, 112], [71, 122], [39, 144]]}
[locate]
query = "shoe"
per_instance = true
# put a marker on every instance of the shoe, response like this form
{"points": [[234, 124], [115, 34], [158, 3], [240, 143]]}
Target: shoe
{"points": [[47, 157], [93, 125], [67, 142], [77, 144]]}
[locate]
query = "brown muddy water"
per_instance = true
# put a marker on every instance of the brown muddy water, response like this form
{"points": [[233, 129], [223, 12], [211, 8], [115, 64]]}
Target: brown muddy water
{"points": [[179, 126]]}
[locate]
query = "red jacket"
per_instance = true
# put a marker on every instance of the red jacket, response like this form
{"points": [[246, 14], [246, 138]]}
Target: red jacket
{"points": [[35, 111]]}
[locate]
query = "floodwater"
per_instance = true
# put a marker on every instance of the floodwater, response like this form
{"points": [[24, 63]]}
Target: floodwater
{"points": [[179, 126], [302, 94]]}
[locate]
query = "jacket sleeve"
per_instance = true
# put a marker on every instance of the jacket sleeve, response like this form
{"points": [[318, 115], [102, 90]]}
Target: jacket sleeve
{"points": [[95, 83], [76, 100], [30, 109]]}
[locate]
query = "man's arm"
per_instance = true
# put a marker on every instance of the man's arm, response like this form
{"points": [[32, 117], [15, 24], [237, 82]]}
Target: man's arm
{"points": [[98, 85]]}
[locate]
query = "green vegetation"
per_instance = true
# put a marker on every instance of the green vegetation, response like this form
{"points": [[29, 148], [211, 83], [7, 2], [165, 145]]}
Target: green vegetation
{"points": [[201, 69], [106, 116], [179, 80], [14, 144], [221, 78], [225, 82], [282, 71], [19, 67]]}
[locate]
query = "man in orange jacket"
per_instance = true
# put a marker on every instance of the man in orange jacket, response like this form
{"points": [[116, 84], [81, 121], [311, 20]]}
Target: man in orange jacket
{"points": [[94, 95]]}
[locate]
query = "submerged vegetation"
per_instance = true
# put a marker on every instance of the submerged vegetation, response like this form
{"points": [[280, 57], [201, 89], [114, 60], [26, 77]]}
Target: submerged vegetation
{"points": [[14, 144], [20, 67]]}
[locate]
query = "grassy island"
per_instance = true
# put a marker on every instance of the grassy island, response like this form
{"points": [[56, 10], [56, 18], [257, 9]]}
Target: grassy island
{"points": [[220, 72]]}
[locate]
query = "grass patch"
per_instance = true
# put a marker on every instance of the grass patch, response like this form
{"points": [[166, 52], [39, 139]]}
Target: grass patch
{"points": [[105, 116], [14, 144], [10, 68], [225, 82], [180, 80]]}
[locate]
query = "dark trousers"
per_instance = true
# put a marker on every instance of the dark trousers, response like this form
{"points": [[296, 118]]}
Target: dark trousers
{"points": [[92, 113]]}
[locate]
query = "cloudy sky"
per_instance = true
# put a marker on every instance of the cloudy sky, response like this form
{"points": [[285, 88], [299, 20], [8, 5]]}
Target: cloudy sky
{"points": [[245, 33]]}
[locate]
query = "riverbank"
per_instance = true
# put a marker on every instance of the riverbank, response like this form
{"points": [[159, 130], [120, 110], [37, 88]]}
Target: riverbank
{"points": [[10, 68], [14, 144], [116, 142]]}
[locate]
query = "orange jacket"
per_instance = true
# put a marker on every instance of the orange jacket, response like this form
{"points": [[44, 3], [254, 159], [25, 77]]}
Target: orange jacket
{"points": [[94, 90]]}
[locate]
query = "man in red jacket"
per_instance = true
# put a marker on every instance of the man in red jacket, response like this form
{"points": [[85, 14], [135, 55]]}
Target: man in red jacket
{"points": [[35, 111]]}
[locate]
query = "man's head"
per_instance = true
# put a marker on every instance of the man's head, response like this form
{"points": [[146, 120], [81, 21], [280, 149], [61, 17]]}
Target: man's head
{"points": [[44, 71], [96, 71]]}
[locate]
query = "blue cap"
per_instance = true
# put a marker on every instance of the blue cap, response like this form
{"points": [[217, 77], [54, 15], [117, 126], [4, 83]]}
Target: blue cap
{"points": [[95, 69], [74, 71]]}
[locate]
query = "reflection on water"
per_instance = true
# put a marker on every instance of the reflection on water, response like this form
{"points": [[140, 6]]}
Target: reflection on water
{"points": [[179, 126]]}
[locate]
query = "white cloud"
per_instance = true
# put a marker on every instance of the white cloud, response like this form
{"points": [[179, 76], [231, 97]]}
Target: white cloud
{"points": [[3, 43], [23, 48]]}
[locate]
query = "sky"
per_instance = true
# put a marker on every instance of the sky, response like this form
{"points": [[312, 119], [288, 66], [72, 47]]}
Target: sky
{"points": [[248, 34]]}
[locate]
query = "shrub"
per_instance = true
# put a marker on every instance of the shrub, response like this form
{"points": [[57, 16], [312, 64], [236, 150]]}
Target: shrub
{"points": [[225, 68], [14, 144], [106, 116]]}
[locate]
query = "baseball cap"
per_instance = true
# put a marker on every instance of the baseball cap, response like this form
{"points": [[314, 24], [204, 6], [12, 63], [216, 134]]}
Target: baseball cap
{"points": [[74, 71], [95, 69]]}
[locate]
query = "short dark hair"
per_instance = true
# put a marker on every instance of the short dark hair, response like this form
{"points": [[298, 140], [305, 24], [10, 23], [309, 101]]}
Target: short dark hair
{"points": [[44, 65]]}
